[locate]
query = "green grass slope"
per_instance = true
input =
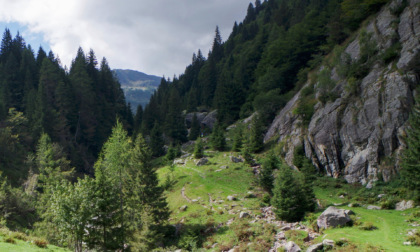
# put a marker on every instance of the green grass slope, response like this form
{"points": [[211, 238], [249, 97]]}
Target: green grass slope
{"points": [[204, 190], [19, 242]]}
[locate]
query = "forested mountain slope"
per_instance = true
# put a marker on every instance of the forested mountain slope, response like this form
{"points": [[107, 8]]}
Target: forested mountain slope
{"points": [[76, 107], [138, 87], [357, 79]]}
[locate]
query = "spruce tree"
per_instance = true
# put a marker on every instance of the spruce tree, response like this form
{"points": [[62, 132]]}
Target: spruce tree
{"points": [[195, 128], [238, 137], [217, 138], [410, 171], [156, 141], [256, 134], [198, 149], [288, 196], [266, 177]]}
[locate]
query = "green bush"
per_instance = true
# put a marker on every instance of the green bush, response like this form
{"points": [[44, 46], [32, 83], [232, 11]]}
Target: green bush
{"points": [[368, 226], [391, 53]]}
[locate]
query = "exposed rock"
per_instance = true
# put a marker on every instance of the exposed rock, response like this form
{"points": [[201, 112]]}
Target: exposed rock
{"points": [[223, 167], [333, 217], [404, 205], [201, 162], [350, 136], [380, 196], [292, 247], [179, 161], [315, 247], [231, 198], [407, 243], [328, 243], [349, 212], [243, 215], [372, 207], [200, 117], [210, 119], [183, 208], [353, 205], [236, 159]]}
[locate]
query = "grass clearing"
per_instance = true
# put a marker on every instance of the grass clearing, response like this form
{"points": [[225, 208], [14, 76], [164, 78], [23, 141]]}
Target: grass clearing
{"points": [[22, 243]]}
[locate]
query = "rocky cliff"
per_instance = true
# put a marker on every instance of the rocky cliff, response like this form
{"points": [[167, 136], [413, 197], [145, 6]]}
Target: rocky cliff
{"points": [[357, 133]]}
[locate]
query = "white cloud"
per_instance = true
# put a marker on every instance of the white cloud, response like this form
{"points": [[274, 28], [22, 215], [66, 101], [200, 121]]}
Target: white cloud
{"points": [[154, 36]]}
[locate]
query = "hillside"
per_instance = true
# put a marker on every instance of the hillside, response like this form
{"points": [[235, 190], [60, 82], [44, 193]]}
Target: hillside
{"points": [[138, 87]]}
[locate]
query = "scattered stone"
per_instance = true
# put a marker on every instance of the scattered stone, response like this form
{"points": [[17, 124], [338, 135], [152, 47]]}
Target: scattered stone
{"points": [[243, 215], [183, 208], [231, 198], [341, 196], [315, 247], [281, 236], [229, 222], [338, 204], [178, 250], [333, 217], [292, 247], [404, 205], [372, 207], [223, 167], [179, 161], [236, 159], [380, 196], [328, 243], [349, 212], [202, 161], [285, 228], [353, 205], [218, 170], [407, 243], [250, 195], [194, 200]]}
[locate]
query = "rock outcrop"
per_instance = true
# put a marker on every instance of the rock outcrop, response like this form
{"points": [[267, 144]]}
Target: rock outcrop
{"points": [[359, 135], [333, 217]]}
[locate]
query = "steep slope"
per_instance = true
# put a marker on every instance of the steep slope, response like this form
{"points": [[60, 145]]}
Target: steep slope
{"points": [[362, 97], [137, 86]]}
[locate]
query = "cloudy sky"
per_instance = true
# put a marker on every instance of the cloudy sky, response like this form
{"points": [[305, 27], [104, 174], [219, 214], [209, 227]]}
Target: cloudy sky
{"points": [[153, 36]]}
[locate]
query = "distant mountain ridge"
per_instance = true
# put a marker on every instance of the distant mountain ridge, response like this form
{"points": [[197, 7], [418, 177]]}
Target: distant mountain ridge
{"points": [[137, 86]]}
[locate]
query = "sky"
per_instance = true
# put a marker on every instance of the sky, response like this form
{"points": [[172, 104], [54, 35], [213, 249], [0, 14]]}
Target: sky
{"points": [[152, 36]]}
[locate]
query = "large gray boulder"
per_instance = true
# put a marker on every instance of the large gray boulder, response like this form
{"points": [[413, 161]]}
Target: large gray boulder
{"points": [[315, 247], [333, 217], [404, 205], [201, 162], [210, 119], [292, 247]]}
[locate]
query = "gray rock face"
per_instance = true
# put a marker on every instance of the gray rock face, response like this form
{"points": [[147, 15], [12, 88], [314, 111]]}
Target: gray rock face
{"points": [[292, 247], [315, 247], [210, 119], [353, 135], [333, 217], [202, 161], [404, 205], [243, 215], [236, 159]]}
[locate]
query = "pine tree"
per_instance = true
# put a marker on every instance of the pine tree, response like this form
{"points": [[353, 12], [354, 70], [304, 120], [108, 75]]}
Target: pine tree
{"points": [[195, 128], [238, 137], [174, 122], [410, 171], [156, 142], [266, 178], [256, 134], [198, 149], [289, 196], [217, 138]]}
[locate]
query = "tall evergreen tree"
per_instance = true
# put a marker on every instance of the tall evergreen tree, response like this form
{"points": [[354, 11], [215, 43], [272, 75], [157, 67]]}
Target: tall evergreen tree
{"points": [[410, 171], [195, 128], [217, 137]]}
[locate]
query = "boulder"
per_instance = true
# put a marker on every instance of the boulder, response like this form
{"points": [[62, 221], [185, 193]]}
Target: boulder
{"points": [[179, 161], [224, 167], [231, 198], [292, 247], [328, 243], [210, 119], [315, 247], [404, 205], [243, 215], [202, 161], [333, 217], [372, 207], [183, 208], [236, 159]]}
